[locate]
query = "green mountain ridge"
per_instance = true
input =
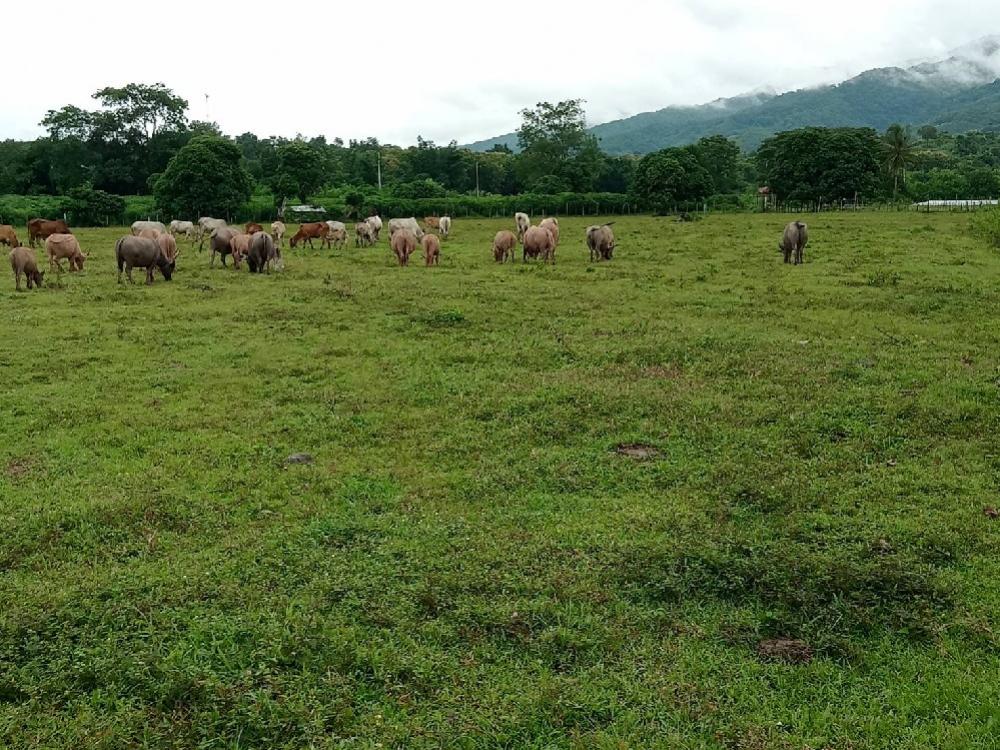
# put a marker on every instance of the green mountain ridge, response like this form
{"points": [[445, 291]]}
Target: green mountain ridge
{"points": [[960, 93]]}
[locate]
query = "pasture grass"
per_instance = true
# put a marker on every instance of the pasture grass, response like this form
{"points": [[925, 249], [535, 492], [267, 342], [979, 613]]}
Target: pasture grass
{"points": [[470, 561]]}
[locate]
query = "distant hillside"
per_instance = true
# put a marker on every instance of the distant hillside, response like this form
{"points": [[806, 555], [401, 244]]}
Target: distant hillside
{"points": [[959, 93]]}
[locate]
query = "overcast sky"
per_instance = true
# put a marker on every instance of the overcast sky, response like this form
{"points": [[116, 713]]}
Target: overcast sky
{"points": [[446, 69]]}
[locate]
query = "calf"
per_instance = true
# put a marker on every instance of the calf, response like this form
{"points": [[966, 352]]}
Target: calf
{"points": [[403, 242], [278, 230], [239, 244], [522, 222], [144, 253], [432, 249], [336, 235], [363, 235], [22, 263], [503, 246], [59, 246]]}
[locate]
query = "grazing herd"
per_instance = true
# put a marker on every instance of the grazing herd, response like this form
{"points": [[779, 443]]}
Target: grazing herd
{"points": [[152, 245]]}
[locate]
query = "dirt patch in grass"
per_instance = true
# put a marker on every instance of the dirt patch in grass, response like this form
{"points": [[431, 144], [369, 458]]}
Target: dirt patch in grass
{"points": [[787, 650], [20, 467], [637, 451]]}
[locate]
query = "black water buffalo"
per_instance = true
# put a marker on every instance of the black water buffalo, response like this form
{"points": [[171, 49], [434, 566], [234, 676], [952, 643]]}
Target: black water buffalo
{"points": [[144, 253]]}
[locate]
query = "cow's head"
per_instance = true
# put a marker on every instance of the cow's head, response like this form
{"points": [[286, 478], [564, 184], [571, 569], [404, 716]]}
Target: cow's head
{"points": [[37, 277]]}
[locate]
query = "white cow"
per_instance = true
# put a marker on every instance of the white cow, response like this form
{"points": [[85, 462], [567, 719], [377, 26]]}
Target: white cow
{"points": [[396, 224], [207, 225], [138, 226], [375, 222], [445, 226], [182, 227], [523, 222], [278, 230]]}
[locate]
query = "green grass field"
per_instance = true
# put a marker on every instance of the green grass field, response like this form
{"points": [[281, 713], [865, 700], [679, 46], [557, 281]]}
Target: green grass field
{"points": [[469, 562]]}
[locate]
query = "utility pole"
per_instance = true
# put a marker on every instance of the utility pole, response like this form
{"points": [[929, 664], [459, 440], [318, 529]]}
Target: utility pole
{"points": [[208, 112], [380, 170], [477, 178]]}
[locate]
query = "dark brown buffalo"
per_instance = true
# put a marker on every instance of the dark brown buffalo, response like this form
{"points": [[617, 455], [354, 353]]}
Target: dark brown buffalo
{"points": [[23, 263], [144, 253], [40, 229]]}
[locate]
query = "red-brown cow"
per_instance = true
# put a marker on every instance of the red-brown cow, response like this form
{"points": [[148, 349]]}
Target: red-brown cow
{"points": [[316, 230], [42, 229]]}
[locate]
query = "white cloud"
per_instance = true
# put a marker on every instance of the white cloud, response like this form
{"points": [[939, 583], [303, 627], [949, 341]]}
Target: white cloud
{"points": [[445, 69]]}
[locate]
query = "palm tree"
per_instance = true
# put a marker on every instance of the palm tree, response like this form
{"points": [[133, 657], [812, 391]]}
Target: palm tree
{"points": [[899, 154]]}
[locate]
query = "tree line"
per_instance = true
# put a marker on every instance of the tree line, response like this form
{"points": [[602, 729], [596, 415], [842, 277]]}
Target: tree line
{"points": [[139, 141]]}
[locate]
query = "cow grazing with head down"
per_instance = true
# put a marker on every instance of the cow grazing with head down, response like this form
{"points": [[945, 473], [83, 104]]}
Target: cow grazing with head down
{"points": [[432, 222], [182, 227], [132, 252], [432, 249], [22, 263], [278, 230], [7, 236], [553, 226], [262, 254], [221, 242], [522, 222], [316, 230], [239, 245], [503, 246], [601, 242], [793, 242], [60, 246], [538, 242], [42, 229], [403, 242], [363, 235], [252, 227], [168, 246]]}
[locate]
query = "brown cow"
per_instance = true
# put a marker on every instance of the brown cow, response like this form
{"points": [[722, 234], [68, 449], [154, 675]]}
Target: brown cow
{"points": [[240, 246], [22, 262], [147, 234], [538, 241], [432, 249], [316, 230], [432, 222], [503, 246], [7, 236], [403, 242], [252, 227], [219, 243], [553, 226], [59, 246], [42, 229]]}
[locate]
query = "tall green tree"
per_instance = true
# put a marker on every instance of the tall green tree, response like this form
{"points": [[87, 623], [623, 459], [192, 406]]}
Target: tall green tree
{"points": [[299, 171], [720, 157], [206, 177], [670, 177], [555, 143], [899, 155]]}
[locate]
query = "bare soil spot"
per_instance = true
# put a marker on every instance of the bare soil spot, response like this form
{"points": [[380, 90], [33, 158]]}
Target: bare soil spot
{"points": [[19, 468], [787, 650], [637, 451], [299, 458]]}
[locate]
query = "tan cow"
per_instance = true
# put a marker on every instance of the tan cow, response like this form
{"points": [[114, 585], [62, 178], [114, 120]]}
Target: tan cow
{"points": [[601, 241], [239, 244], [139, 226], [22, 263], [168, 246], [364, 235], [538, 242], [553, 226], [432, 222], [503, 246], [59, 246], [432, 249], [7, 236], [403, 242], [278, 230]]}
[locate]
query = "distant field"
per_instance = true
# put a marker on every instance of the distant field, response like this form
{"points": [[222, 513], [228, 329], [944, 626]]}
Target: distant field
{"points": [[469, 562]]}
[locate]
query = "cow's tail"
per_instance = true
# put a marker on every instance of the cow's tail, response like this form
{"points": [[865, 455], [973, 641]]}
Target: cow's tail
{"points": [[118, 254]]}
